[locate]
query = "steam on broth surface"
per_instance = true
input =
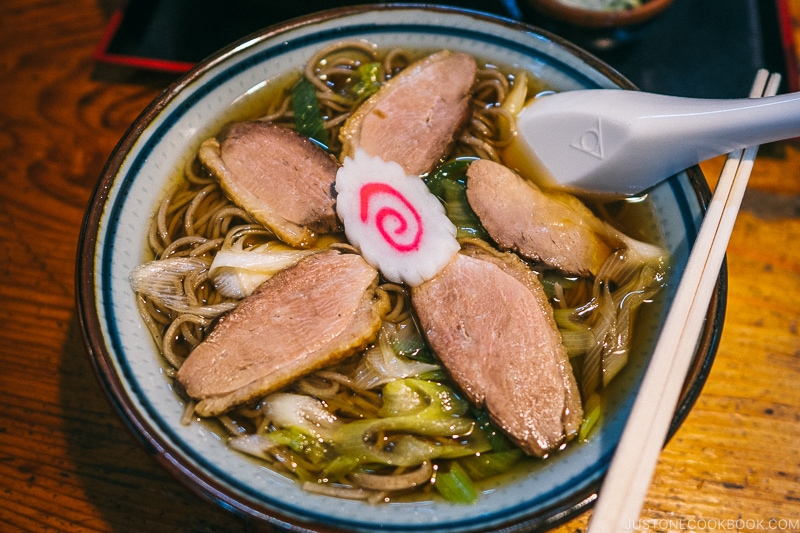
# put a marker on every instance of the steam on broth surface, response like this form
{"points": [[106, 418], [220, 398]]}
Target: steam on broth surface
{"points": [[388, 422]]}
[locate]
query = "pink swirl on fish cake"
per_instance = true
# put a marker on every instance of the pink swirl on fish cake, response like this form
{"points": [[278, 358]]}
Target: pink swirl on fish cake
{"points": [[372, 193]]}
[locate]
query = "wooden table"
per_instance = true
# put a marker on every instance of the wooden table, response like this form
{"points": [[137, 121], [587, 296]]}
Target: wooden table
{"points": [[68, 464]]}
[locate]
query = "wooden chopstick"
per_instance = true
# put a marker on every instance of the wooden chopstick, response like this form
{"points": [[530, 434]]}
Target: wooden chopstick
{"points": [[625, 486]]}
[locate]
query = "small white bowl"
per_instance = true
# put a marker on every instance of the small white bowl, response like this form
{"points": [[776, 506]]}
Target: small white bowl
{"points": [[159, 142]]}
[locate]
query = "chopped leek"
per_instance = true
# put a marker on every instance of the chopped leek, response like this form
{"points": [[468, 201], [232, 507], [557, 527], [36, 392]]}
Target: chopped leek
{"points": [[599, 331], [255, 445], [414, 408], [397, 354], [592, 414], [302, 442], [400, 398], [162, 281], [411, 396], [287, 410], [550, 281], [340, 466], [307, 114], [406, 340], [369, 81], [419, 422], [490, 464], [515, 100], [237, 273], [576, 336], [453, 483], [399, 449], [496, 438]]}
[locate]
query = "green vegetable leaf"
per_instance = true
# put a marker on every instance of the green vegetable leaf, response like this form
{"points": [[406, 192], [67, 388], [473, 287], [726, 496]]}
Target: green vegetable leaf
{"points": [[454, 484], [449, 184], [301, 442], [425, 421], [490, 464], [407, 341], [369, 81], [496, 438], [307, 114], [592, 415]]}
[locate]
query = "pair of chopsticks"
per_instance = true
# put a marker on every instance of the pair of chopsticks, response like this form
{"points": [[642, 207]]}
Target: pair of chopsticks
{"points": [[625, 486]]}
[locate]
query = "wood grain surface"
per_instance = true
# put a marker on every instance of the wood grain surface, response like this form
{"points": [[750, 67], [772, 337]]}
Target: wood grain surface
{"points": [[67, 463]]}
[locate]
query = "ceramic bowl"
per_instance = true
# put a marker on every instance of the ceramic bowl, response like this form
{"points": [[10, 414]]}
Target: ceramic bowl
{"points": [[570, 13], [159, 143]]}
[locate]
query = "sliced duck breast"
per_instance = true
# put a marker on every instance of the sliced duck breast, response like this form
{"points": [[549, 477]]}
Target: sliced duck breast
{"points": [[308, 316], [414, 118], [282, 178], [552, 227], [488, 319]]}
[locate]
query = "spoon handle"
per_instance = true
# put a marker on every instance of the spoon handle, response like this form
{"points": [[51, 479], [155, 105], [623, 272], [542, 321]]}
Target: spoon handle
{"points": [[710, 127]]}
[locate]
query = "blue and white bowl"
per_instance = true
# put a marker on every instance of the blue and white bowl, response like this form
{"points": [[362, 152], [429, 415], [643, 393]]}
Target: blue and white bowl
{"points": [[156, 148]]}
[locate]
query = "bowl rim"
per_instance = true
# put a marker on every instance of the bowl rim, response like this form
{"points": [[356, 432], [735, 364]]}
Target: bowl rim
{"points": [[193, 477]]}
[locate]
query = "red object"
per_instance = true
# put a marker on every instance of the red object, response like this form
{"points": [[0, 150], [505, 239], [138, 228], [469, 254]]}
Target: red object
{"points": [[787, 23], [103, 53]]}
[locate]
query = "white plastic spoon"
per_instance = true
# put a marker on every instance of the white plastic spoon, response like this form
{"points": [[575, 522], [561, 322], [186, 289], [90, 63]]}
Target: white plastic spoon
{"points": [[623, 142]]}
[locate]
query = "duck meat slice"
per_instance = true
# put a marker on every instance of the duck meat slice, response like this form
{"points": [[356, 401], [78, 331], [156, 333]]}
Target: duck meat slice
{"points": [[282, 178], [306, 317], [414, 118], [554, 228], [487, 318]]}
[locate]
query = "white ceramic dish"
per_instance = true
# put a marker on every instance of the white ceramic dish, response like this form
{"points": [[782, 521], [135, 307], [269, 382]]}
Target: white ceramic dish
{"points": [[113, 242]]}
